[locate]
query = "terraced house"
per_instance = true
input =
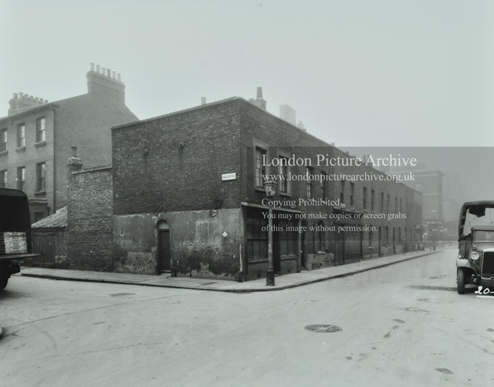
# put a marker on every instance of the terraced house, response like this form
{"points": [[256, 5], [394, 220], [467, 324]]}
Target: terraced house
{"points": [[37, 137]]}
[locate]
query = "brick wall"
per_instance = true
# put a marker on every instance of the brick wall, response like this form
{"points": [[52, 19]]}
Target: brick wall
{"points": [[177, 161], [90, 220]]}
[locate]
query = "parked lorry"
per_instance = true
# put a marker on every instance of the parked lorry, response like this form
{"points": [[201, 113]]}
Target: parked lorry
{"points": [[15, 233], [475, 262]]}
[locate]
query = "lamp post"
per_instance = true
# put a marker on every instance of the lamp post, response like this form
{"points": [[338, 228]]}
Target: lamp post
{"points": [[270, 188]]}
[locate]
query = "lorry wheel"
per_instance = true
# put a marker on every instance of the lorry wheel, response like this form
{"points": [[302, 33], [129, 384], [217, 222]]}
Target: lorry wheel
{"points": [[3, 283], [460, 281]]}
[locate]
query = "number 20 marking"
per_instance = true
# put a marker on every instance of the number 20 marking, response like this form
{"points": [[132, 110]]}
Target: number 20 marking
{"points": [[480, 291]]}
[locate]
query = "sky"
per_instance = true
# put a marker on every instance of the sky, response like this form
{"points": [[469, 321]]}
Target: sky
{"points": [[358, 72]]}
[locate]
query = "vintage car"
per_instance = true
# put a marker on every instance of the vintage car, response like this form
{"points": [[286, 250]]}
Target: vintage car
{"points": [[15, 233], [475, 263]]}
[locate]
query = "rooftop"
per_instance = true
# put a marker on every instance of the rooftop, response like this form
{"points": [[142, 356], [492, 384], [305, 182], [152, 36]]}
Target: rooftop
{"points": [[57, 220]]}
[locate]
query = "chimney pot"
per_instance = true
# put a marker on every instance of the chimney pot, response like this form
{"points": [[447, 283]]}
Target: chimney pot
{"points": [[103, 71], [203, 100], [74, 151], [16, 96], [21, 95], [118, 75], [108, 72], [91, 65], [97, 68], [259, 92], [114, 74]]}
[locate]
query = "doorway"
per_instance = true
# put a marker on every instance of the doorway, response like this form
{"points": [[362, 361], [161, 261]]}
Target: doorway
{"points": [[379, 243], [303, 246], [163, 263]]}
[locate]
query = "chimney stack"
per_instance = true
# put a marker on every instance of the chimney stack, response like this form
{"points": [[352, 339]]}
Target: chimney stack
{"points": [[259, 101], [105, 83], [74, 164], [21, 102], [288, 114]]}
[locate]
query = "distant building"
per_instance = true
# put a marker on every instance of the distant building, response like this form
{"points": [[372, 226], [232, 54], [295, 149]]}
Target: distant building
{"points": [[430, 183], [37, 137], [185, 193]]}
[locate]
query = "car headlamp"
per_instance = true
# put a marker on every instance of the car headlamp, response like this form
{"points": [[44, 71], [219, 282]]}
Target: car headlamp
{"points": [[474, 255]]}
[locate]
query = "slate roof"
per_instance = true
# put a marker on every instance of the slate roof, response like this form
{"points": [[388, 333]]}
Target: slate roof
{"points": [[57, 220]]}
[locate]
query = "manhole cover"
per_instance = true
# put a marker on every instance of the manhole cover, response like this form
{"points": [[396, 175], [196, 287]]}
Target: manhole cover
{"points": [[323, 328]]}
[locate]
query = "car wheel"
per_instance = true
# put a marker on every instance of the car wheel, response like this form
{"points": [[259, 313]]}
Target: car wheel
{"points": [[460, 281], [3, 283]]}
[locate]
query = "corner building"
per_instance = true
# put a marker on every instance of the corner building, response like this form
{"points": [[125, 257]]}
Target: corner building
{"points": [[187, 197]]}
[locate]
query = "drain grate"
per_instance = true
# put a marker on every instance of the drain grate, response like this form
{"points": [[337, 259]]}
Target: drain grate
{"points": [[323, 328]]}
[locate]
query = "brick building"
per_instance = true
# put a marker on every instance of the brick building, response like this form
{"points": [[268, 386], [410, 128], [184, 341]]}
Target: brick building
{"points": [[37, 137], [187, 196]]}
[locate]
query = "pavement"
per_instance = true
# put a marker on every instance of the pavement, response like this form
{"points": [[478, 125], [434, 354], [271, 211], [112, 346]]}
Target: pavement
{"points": [[286, 281]]}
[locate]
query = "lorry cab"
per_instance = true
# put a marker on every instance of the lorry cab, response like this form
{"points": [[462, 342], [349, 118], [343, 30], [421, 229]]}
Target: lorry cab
{"points": [[475, 263], [15, 233]]}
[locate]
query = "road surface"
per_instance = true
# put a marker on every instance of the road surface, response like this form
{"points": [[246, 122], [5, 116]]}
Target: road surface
{"points": [[403, 325]]}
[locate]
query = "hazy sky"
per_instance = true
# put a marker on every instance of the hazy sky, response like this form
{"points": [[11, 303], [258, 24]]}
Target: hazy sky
{"points": [[358, 72]]}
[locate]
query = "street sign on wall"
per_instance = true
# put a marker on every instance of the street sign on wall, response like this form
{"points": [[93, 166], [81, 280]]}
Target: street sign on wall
{"points": [[229, 176]]}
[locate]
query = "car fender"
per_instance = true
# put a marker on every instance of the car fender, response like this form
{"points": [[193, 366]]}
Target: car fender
{"points": [[461, 262]]}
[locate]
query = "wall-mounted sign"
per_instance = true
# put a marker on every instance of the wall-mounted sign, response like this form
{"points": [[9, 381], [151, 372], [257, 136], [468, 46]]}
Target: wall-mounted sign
{"points": [[229, 176]]}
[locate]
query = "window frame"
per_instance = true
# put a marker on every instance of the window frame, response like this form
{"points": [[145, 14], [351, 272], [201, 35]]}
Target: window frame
{"points": [[309, 186], [21, 140], [21, 178], [324, 185], [342, 192], [263, 170], [4, 139], [364, 201], [40, 131], [41, 177], [352, 194], [284, 186]]}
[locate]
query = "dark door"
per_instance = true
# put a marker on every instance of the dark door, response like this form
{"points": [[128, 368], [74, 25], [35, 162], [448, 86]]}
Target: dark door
{"points": [[303, 246], [340, 248], [394, 240], [361, 245], [276, 251], [164, 261], [379, 242], [44, 243]]}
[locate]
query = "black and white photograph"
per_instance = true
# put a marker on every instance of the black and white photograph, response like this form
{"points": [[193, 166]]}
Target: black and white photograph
{"points": [[247, 193]]}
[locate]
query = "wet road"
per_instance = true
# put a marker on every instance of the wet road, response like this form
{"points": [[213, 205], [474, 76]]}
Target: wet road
{"points": [[403, 325]]}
